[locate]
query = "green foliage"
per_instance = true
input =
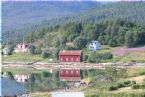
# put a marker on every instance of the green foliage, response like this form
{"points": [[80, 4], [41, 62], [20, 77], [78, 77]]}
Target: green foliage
{"points": [[44, 81], [45, 55], [121, 94], [55, 54], [111, 88], [32, 50], [80, 42], [137, 86], [10, 75], [90, 73], [96, 57]]}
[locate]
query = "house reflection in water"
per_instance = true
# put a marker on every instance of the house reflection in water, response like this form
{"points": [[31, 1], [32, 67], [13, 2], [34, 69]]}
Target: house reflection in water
{"points": [[10, 88]]}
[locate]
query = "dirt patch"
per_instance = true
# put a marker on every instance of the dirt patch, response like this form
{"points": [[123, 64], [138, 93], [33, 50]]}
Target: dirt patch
{"points": [[138, 79]]}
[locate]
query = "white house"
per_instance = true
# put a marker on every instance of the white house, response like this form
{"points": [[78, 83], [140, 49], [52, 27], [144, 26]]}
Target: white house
{"points": [[94, 45], [67, 94], [6, 51], [21, 78], [22, 48]]}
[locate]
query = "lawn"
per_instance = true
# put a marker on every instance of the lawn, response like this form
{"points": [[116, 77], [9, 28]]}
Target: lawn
{"points": [[120, 54], [24, 57], [40, 94], [19, 70], [133, 72]]}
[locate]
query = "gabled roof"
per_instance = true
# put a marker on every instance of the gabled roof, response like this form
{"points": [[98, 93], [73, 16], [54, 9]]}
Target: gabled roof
{"points": [[27, 45], [67, 94], [70, 52], [11, 87], [93, 41]]}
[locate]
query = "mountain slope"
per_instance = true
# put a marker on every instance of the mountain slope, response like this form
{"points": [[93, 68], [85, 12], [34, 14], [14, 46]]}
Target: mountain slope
{"points": [[131, 11], [23, 14]]}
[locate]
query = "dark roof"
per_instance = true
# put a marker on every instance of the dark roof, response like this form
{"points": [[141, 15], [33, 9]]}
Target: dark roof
{"points": [[69, 73], [71, 52], [11, 87]]}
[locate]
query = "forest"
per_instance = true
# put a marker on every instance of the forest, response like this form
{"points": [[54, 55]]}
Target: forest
{"points": [[129, 11]]}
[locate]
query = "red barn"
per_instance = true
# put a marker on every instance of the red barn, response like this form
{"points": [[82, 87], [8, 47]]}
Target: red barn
{"points": [[70, 75], [70, 56]]}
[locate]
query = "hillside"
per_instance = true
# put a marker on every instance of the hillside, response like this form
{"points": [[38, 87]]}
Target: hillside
{"points": [[64, 12], [20, 14], [130, 11]]}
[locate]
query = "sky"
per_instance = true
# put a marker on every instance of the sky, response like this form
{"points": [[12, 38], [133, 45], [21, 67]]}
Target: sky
{"points": [[73, 0]]}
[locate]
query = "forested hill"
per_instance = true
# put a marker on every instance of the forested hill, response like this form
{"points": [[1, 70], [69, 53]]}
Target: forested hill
{"points": [[17, 15], [129, 11]]}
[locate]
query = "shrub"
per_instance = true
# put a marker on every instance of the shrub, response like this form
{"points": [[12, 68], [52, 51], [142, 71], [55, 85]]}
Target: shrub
{"points": [[127, 82], [135, 86], [142, 73], [44, 55], [142, 86], [111, 88], [85, 57], [106, 56]]}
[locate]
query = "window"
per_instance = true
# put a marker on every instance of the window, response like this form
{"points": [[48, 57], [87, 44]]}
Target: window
{"points": [[72, 72], [77, 59], [61, 59], [66, 72], [72, 59], [66, 59], [77, 72]]}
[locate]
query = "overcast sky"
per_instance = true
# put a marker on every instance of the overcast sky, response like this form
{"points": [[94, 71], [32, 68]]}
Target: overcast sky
{"points": [[73, 0]]}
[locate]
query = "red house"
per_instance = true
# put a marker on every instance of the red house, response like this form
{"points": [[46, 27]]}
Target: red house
{"points": [[70, 56], [70, 75]]}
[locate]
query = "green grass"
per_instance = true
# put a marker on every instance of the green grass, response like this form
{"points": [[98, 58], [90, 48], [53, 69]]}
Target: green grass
{"points": [[25, 57], [130, 57], [135, 72], [133, 57], [21, 70], [40, 94]]}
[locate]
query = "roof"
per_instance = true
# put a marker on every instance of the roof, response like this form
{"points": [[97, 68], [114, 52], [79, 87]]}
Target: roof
{"points": [[71, 52], [69, 73], [67, 94], [11, 87], [94, 42], [24, 44]]}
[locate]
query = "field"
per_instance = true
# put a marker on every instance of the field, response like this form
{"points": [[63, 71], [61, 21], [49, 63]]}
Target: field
{"points": [[23, 57], [20, 70], [120, 54]]}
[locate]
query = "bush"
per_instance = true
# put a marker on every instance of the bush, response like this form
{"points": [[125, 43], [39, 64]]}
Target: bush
{"points": [[85, 57], [126, 83], [45, 55], [95, 57], [135, 86], [120, 85], [111, 88], [142, 73], [142, 86], [107, 56]]}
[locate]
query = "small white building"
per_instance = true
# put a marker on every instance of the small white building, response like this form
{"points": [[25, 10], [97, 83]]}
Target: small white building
{"points": [[67, 94], [22, 78], [22, 48], [94, 45], [6, 51]]}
